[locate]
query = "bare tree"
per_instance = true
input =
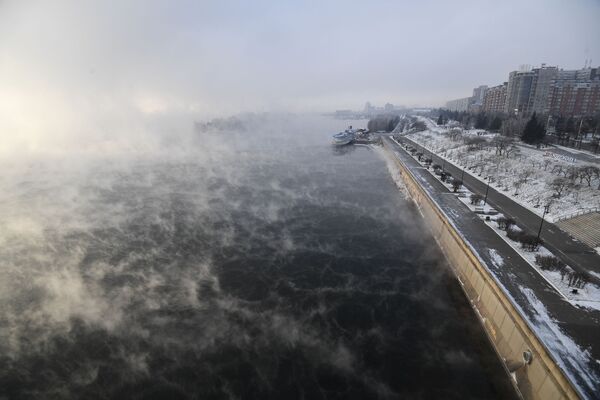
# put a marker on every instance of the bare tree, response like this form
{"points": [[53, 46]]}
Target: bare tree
{"points": [[511, 150], [518, 184], [559, 185], [597, 176], [455, 134], [571, 173], [475, 143], [587, 173], [501, 144], [527, 173]]}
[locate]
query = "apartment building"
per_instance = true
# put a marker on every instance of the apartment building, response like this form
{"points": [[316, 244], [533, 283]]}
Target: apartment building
{"points": [[495, 99], [574, 93]]}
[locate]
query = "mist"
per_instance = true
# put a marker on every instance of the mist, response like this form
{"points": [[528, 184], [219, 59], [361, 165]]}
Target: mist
{"points": [[222, 263], [87, 74]]}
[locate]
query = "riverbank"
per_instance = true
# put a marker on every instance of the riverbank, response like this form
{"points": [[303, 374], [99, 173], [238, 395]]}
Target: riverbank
{"points": [[519, 311]]}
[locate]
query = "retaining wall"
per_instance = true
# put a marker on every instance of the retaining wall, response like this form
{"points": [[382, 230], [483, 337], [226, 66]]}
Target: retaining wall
{"points": [[505, 327]]}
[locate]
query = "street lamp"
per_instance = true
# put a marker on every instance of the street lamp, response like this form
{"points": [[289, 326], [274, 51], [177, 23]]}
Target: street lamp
{"points": [[462, 176], [546, 209], [487, 188]]}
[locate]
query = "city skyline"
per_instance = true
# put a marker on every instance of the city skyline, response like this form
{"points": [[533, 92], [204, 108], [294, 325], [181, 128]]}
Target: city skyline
{"points": [[548, 90]]}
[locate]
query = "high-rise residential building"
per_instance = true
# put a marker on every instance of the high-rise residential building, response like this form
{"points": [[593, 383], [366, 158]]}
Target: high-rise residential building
{"points": [[479, 95], [528, 90], [575, 93], [541, 86], [518, 91], [495, 99]]}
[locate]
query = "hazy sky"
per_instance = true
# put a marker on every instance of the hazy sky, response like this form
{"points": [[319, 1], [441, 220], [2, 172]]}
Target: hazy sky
{"points": [[84, 65]]}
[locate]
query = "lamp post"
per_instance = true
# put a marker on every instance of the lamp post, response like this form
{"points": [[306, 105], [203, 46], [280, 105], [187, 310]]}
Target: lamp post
{"points": [[462, 176], [546, 209], [579, 132], [487, 188]]}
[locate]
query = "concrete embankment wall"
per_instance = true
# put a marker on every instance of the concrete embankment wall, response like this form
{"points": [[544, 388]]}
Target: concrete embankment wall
{"points": [[507, 330]]}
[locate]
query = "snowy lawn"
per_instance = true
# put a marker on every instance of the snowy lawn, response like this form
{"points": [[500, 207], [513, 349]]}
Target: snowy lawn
{"points": [[530, 176]]}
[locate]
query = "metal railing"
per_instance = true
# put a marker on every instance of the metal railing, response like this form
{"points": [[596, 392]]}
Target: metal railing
{"points": [[577, 213]]}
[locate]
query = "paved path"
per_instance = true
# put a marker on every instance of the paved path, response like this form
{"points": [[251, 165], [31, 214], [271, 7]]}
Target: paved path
{"points": [[519, 279], [571, 251]]}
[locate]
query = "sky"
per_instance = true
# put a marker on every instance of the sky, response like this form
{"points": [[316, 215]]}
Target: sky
{"points": [[111, 66]]}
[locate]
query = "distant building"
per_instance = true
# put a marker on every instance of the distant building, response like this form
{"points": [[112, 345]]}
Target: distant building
{"points": [[518, 92], [544, 90], [343, 113], [459, 104], [543, 78], [388, 108], [575, 93], [495, 99], [553, 91], [479, 95]]}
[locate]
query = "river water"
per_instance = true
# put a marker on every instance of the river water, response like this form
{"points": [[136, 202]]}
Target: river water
{"points": [[259, 263]]}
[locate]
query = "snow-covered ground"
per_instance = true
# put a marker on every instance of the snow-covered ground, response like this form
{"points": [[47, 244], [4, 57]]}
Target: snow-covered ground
{"points": [[588, 296], [525, 174]]}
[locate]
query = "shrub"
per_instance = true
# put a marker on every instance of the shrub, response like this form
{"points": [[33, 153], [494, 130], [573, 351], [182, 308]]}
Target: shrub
{"points": [[577, 279], [514, 234], [549, 263], [505, 223], [476, 199], [530, 242], [456, 184]]}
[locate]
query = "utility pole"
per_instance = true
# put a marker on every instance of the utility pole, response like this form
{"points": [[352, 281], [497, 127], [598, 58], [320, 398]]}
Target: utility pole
{"points": [[579, 131], [487, 188], [546, 209]]}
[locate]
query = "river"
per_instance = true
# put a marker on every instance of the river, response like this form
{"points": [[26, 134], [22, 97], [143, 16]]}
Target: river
{"points": [[259, 263]]}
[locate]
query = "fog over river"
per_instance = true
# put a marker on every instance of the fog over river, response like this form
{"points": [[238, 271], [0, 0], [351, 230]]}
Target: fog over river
{"points": [[261, 263]]}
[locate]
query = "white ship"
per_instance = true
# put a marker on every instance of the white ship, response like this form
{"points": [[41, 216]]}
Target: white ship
{"points": [[345, 137]]}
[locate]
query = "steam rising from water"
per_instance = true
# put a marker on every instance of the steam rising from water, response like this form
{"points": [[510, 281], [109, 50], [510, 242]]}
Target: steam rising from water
{"points": [[254, 264]]}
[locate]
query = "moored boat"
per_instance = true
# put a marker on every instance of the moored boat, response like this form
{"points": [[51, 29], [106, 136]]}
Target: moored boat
{"points": [[345, 137]]}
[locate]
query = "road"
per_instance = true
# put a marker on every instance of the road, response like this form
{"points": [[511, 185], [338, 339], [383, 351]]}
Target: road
{"points": [[572, 252], [580, 156]]}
